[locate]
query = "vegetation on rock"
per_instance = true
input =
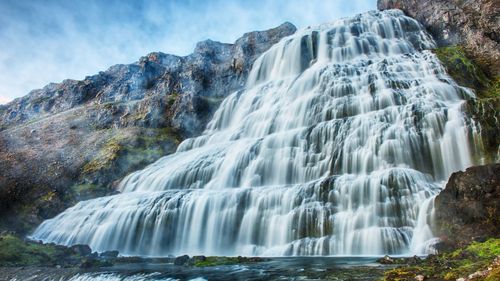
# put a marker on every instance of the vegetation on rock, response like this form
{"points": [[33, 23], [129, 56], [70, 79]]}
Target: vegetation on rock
{"points": [[479, 257], [467, 72], [214, 261], [15, 251]]}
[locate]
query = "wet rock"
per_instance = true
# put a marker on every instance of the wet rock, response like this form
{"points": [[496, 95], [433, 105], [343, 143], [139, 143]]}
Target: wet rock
{"points": [[181, 260], [469, 206], [486, 115], [250, 259], [413, 260], [82, 250], [91, 262], [109, 254], [386, 260]]}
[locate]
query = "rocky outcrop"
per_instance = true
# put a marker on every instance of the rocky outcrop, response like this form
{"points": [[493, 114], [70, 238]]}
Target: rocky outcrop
{"points": [[469, 206], [74, 140], [474, 24]]}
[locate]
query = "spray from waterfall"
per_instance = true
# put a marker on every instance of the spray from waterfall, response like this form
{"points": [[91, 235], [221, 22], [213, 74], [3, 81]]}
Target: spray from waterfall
{"points": [[336, 146]]}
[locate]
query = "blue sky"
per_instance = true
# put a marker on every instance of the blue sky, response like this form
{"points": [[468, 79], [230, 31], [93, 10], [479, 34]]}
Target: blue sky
{"points": [[47, 41]]}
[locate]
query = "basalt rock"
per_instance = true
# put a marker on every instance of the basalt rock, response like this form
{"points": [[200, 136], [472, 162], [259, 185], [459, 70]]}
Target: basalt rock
{"points": [[76, 139], [109, 254], [469, 206], [181, 260], [82, 250]]}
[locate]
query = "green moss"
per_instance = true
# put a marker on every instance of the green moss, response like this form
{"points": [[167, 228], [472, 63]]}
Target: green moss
{"points": [[105, 157], [216, 261], [49, 196], [468, 72], [145, 147], [489, 249], [450, 266], [172, 98], [14, 251]]}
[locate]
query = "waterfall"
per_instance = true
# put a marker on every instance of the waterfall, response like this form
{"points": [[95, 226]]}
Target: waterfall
{"points": [[341, 138]]}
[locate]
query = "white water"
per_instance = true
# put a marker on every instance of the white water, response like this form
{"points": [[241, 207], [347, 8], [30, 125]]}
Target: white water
{"points": [[338, 144]]}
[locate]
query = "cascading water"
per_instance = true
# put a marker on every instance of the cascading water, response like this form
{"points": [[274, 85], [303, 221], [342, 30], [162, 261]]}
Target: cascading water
{"points": [[337, 145]]}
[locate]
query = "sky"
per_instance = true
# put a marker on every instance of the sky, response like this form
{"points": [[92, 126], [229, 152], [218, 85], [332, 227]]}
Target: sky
{"points": [[48, 41]]}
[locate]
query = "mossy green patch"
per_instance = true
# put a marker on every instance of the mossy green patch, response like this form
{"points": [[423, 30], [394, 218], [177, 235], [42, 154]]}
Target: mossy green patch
{"points": [[132, 151], [489, 249], [172, 98], [105, 157], [216, 261], [450, 266], [468, 72], [15, 252], [486, 113]]}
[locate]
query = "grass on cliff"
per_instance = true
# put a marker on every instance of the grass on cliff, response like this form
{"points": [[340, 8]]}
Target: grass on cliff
{"points": [[139, 148], [216, 261], [468, 72], [16, 252], [453, 265]]}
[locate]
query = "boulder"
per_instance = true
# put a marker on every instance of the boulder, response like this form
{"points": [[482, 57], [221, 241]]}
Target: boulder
{"points": [[109, 254], [82, 250], [181, 260], [469, 206], [386, 260]]}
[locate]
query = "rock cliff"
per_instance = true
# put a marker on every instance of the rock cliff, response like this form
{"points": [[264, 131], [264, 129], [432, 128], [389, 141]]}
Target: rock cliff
{"points": [[73, 140], [469, 206]]}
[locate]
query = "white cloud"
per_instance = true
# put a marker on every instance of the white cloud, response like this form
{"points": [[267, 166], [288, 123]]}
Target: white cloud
{"points": [[45, 42], [4, 99]]}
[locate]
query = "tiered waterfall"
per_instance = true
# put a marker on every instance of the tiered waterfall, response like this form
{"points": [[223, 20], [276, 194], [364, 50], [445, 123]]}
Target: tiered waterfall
{"points": [[338, 143]]}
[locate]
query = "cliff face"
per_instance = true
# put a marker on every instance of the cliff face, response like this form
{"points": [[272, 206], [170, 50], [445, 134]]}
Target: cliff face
{"points": [[74, 140], [469, 206], [472, 23]]}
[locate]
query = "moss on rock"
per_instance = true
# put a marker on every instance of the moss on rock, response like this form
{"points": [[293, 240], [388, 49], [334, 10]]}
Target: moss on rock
{"points": [[105, 157], [476, 257], [137, 148], [468, 72], [215, 261]]}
